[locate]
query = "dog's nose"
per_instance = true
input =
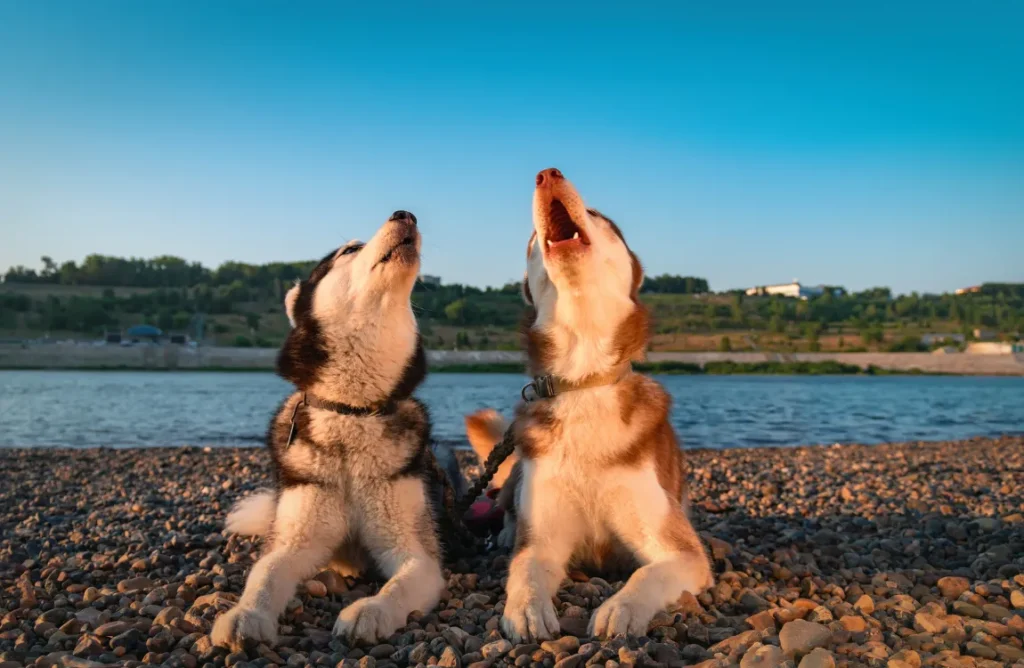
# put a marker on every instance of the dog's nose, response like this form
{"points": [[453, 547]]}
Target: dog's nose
{"points": [[549, 175], [403, 215]]}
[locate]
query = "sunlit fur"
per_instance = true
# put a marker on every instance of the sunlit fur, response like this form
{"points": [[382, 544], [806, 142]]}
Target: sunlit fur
{"points": [[599, 481], [352, 491]]}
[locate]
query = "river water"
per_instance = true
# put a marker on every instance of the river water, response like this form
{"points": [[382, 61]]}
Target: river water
{"points": [[140, 408]]}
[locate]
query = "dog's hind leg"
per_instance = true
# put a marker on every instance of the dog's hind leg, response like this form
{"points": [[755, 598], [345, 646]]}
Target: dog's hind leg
{"points": [[308, 524], [401, 538], [662, 538]]}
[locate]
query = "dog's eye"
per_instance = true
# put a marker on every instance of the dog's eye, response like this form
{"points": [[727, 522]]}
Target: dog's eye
{"points": [[352, 249]]}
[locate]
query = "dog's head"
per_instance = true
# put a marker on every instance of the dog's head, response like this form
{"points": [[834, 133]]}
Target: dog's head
{"points": [[354, 337], [583, 283]]}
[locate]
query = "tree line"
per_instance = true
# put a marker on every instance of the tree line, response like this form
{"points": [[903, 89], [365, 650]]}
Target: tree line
{"points": [[173, 291]]}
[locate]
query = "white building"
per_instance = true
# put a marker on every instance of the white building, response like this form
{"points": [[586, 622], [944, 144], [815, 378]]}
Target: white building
{"points": [[427, 279], [794, 290]]}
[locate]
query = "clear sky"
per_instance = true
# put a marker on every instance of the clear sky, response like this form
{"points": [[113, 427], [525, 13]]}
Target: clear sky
{"points": [[849, 143]]}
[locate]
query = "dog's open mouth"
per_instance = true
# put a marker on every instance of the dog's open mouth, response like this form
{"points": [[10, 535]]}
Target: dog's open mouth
{"points": [[404, 249], [561, 231]]}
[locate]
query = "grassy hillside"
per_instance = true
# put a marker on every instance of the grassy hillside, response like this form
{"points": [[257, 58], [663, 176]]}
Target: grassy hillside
{"points": [[239, 304]]}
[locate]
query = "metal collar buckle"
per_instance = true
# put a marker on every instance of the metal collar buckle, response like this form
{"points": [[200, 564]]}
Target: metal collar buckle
{"points": [[543, 388]]}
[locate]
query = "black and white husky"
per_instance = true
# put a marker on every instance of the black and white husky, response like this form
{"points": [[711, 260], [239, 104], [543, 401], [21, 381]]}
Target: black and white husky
{"points": [[350, 448]]}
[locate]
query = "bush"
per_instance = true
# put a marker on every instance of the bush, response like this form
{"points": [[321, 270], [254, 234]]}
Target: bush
{"points": [[908, 344], [242, 342]]}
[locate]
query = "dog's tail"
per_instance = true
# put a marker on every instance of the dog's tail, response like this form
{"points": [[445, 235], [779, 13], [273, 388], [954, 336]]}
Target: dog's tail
{"points": [[485, 429], [253, 515]]}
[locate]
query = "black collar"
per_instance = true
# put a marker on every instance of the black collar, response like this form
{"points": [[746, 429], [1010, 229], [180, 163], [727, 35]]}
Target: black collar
{"points": [[385, 408]]}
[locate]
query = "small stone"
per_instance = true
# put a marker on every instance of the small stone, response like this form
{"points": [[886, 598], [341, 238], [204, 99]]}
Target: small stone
{"points": [[316, 588], [456, 637], [818, 658], [799, 637], [865, 604], [90, 616], [996, 613], [476, 601], [929, 623], [570, 661], [981, 651], [763, 656], [133, 585], [111, 629], [564, 644], [335, 584], [965, 609], [168, 615], [88, 646], [494, 650], [1009, 653], [751, 602], [907, 657], [762, 621], [952, 587], [381, 652], [419, 654], [854, 624], [1017, 599], [449, 658], [719, 548], [574, 626]]}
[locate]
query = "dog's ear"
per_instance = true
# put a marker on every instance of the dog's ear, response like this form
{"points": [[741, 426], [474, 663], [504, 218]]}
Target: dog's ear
{"points": [[527, 296], [638, 276], [289, 302]]}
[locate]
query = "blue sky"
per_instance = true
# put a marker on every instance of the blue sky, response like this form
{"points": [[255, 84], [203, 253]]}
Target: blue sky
{"points": [[757, 142]]}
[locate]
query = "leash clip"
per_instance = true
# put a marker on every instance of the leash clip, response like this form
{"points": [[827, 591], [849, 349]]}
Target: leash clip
{"points": [[543, 388], [291, 431]]}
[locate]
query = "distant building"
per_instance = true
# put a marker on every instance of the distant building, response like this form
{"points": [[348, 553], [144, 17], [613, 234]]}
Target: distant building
{"points": [[794, 290], [144, 332], [934, 339], [427, 279], [984, 335], [994, 348], [968, 290]]}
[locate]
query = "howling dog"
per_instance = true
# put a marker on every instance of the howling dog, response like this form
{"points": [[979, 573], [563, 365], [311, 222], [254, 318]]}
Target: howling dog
{"points": [[350, 449], [600, 477]]}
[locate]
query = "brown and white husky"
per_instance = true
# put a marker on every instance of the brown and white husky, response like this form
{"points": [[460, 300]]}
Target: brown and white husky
{"points": [[600, 475]]}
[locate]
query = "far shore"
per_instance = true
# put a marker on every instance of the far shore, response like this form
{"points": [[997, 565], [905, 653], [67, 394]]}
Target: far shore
{"points": [[213, 358]]}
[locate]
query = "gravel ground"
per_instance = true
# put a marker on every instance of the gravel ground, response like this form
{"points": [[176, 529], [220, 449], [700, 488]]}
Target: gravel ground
{"points": [[896, 555]]}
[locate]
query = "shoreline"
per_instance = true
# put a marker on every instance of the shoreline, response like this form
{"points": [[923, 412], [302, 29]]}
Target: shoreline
{"points": [[59, 357], [902, 554]]}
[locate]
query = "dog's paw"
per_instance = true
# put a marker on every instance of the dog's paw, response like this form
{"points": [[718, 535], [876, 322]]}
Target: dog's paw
{"points": [[368, 620], [530, 621], [240, 624], [620, 615]]}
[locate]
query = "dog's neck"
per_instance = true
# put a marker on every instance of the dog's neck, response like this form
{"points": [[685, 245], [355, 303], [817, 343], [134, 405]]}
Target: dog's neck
{"points": [[370, 362], [579, 335]]}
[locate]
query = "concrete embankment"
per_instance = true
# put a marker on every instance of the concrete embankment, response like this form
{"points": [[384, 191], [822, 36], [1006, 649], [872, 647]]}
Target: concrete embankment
{"points": [[81, 356]]}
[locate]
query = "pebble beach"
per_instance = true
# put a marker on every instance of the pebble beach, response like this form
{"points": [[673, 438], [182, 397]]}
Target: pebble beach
{"points": [[897, 555]]}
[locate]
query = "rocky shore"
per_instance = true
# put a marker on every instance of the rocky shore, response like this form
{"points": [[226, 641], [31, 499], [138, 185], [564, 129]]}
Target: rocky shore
{"points": [[900, 555]]}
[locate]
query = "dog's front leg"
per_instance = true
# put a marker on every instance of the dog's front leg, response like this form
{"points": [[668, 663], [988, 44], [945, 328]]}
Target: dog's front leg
{"points": [[547, 531], [399, 533], [309, 522], [660, 534]]}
